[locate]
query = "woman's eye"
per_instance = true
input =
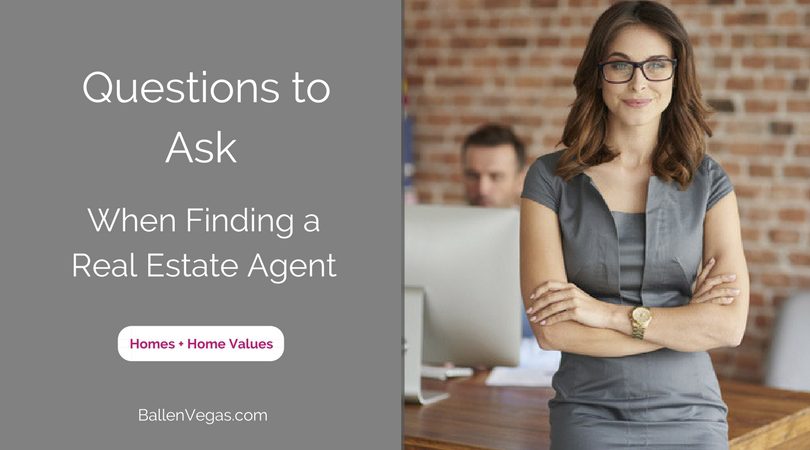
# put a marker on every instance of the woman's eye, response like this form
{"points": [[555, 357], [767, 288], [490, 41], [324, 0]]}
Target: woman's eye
{"points": [[619, 66]]}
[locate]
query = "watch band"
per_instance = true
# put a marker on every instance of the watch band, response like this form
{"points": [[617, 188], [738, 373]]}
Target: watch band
{"points": [[638, 330]]}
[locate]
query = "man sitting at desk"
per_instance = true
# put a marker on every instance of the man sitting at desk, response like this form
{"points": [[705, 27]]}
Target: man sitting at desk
{"points": [[493, 162]]}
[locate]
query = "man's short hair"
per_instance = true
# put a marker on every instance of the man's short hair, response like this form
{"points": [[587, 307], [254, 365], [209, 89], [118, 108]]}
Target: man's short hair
{"points": [[492, 135]]}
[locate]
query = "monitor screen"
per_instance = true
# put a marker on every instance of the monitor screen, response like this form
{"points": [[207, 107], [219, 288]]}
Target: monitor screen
{"points": [[467, 261]]}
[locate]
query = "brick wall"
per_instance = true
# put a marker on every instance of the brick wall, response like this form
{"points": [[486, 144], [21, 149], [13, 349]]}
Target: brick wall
{"points": [[471, 61]]}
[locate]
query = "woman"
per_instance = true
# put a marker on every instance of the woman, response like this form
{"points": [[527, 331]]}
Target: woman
{"points": [[631, 257]]}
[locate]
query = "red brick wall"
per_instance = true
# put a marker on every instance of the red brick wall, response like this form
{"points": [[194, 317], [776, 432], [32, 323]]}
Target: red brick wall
{"points": [[471, 61]]}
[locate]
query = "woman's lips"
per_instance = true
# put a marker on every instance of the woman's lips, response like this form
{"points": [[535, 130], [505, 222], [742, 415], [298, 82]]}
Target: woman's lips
{"points": [[637, 103]]}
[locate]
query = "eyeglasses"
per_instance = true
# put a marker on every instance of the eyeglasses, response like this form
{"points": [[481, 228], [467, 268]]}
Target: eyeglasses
{"points": [[618, 72]]}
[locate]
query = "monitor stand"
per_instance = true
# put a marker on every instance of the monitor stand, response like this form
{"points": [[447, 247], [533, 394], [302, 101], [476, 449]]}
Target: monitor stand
{"points": [[414, 301]]}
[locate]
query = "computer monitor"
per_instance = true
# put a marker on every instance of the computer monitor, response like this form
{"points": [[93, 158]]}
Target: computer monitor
{"points": [[467, 261]]}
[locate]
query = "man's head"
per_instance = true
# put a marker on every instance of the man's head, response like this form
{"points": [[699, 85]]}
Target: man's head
{"points": [[493, 159]]}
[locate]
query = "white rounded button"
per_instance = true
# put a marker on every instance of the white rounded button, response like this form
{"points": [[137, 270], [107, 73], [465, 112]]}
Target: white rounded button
{"points": [[200, 343]]}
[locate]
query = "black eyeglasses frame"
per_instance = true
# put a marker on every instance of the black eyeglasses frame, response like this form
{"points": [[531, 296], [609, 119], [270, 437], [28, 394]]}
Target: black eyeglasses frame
{"points": [[635, 65]]}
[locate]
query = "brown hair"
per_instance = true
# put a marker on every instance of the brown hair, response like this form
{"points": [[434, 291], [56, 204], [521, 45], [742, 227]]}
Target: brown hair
{"points": [[683, 128], [492, 135]]}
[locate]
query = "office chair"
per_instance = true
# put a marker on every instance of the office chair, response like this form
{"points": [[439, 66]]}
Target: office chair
{"points": [[788, 366]]}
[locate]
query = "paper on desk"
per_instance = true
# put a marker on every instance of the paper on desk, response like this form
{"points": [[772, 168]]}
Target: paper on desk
{"points": [[536, 368], [519, 376]]}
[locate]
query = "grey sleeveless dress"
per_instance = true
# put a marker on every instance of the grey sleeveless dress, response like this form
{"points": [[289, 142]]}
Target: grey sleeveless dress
{"points": [[658, 400]]}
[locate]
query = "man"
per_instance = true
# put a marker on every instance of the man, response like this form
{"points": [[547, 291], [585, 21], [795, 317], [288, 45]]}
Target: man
{"points": [[493, 160]]}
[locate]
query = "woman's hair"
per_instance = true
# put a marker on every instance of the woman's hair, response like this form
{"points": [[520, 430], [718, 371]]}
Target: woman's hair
{"points": [[683, 128]]}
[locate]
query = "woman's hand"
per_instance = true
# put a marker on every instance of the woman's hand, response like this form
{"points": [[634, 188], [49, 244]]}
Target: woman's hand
{"points": [[557, 302], [705, 290]]}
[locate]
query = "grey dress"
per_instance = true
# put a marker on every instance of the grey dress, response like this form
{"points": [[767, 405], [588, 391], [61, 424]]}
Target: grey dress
{"points": [[658, 400]]}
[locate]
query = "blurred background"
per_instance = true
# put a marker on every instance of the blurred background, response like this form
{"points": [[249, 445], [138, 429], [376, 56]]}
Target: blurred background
{"points": [[468, 62]]}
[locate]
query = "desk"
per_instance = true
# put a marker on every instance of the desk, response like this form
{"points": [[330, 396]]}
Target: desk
{"points": [[479, 417]]}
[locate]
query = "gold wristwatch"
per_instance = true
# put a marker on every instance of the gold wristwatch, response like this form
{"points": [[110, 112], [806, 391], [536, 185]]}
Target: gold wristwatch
{"points": [[640, 317]]}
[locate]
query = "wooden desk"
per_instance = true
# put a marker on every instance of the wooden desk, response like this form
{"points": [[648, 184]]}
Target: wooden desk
{"points": [[506, 418]]}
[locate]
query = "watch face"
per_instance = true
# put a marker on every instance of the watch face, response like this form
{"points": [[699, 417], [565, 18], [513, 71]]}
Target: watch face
{"points": [[642, 315]]}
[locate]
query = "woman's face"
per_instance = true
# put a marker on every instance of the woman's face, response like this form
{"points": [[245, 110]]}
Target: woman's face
{"points": [[638, 102]]}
